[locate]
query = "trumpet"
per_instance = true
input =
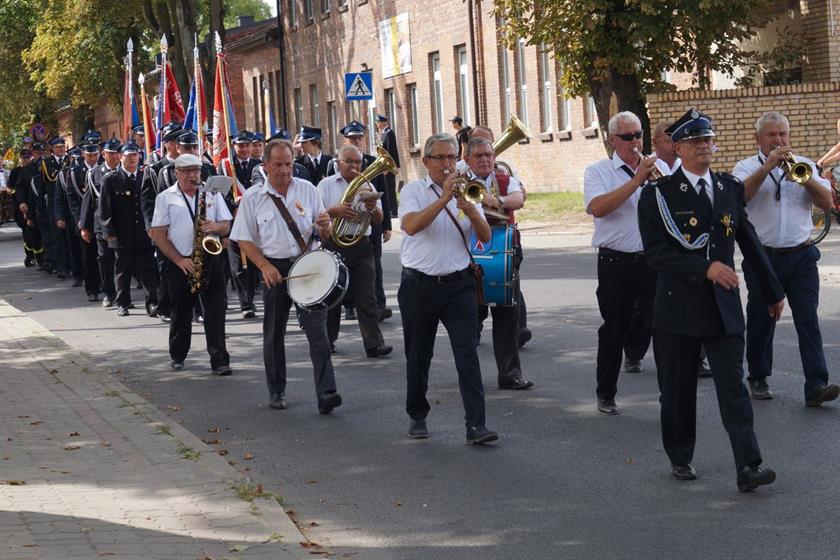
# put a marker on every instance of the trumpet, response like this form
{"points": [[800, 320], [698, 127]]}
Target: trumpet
{"points": [[797, 171], [655, 173], [471, 190]]}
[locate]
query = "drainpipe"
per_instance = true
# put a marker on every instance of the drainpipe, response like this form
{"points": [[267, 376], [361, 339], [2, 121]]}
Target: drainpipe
{"points": [[284, 113]]}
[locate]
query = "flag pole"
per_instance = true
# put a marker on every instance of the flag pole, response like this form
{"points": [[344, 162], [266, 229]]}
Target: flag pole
{"points": [[198, 83], [130, 87], [221, 60], [162, 92], [146, 133]]}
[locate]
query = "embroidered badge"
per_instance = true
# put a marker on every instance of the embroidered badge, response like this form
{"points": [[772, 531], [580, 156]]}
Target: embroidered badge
{"points": [[683, 187], [127, 193], [720, 186], [726, 220], [687, 237], [461, 215], [692, 222], [300, 209]]}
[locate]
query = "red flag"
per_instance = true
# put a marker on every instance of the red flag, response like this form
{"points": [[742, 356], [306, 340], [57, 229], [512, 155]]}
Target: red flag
{"points": [[221, 124], [148, 126], [174, 103]]}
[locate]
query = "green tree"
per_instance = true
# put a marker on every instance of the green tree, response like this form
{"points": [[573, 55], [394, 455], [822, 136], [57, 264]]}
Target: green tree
{"points": [[616, 50]]}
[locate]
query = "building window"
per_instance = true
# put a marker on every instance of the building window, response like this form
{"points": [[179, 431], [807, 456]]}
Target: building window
{"points": [[331, 125], [298, 109], [292, 13], [391, 107], [308, 11], [314, 107], [546, 113], [325, 7], [522, 85], [590, 114], [257, 96], [463, 83], [414, 127], [437, 93], [277, 103], [342, 4], [504, 86], [372, 137]]}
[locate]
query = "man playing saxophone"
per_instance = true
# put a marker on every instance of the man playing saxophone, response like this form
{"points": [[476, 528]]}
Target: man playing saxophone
{"points": [[182, 218], [347, 212]]}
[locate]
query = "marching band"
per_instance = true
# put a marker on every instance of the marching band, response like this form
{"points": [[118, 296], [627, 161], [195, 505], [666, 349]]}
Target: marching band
{"points": [[308, 228]]}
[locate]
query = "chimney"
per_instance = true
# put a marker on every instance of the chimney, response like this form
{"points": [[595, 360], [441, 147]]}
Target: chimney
{"points": [[242, 21]]}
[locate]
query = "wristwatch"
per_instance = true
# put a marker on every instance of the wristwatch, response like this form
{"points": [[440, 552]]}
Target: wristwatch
{"points": [[502, 201]]}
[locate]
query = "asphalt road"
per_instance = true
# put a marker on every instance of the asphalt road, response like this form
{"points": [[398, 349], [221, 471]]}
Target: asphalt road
{"points": [[563, 481]]}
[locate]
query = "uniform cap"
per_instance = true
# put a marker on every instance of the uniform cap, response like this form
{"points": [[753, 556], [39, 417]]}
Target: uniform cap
{"points": [[693, 124], [187, 160]]}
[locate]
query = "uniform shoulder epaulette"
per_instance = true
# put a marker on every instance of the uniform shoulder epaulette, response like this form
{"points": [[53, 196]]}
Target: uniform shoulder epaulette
{"points": [[727, 176], [659, 181]]}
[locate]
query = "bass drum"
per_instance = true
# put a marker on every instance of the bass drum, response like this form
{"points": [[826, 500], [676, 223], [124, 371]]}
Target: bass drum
{"points": [[497, 259], [323, 283]]}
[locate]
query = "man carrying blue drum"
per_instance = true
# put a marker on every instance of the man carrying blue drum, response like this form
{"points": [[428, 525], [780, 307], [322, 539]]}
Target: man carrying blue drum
{"points": [[503, 195]]}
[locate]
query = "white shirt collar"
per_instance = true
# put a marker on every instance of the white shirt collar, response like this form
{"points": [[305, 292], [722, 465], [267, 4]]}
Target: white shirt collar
{"points": [[692, 178], [618, 162]]}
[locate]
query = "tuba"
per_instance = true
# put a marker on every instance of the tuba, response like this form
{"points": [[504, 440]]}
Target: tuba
{"points": [[515, 132], [347, 233]]}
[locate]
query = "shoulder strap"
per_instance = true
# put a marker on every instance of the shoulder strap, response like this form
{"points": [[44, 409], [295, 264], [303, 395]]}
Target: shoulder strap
{"points": [[289, 222], [457, 226]]}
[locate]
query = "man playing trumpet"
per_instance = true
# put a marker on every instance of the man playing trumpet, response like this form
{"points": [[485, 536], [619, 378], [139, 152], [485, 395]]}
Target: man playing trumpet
{"points": [[780, 208]]}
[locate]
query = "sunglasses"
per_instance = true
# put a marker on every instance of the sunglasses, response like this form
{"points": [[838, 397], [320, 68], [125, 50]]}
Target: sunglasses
{"points": [[630, 136]]}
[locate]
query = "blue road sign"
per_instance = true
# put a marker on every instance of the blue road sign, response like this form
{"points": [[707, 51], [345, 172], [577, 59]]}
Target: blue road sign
{"points": [[358, 86]]}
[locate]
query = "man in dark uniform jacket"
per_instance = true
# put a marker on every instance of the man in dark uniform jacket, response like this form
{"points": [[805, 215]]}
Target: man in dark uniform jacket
{"points": [[91, 223], [313, 159], [77, 186], [689, 223], [31, 183], [51, 168], [388, 140], [31, 236], [65, 222], [125, 231], [245, 280]]}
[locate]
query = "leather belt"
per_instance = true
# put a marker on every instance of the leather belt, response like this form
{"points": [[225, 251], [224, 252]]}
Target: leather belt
{"points": [[440, 278], [612, 253], [786, 250]]}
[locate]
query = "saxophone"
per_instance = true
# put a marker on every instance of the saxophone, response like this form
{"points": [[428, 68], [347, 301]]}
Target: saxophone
{"points": [[202, 243]]}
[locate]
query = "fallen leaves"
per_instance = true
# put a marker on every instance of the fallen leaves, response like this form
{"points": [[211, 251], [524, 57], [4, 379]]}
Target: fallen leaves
{"points": [[213, 430], [222, 452], [238, 548], [72, 447], [73, 434], [13, 482], [211, 441], [248, 456], [173, 408], [36, 423]]}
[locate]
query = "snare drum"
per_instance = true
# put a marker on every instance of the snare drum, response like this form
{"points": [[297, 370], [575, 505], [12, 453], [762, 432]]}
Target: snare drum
{"points": [[326, 286], [496, 257]]}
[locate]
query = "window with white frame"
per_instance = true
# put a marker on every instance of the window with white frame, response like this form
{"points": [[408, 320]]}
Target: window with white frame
{"points": [[298, 108], [325, 7], [391, 104], [414, 125], [546, 111], [437, 93], [314, 107], [308, 10], [463, 84], [522, 82], [332, 125], [504, 87], [292, 13], [590, 112]]}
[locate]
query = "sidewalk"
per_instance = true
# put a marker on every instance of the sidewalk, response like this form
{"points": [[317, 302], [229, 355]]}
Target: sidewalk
{"points": [[90, 470]]}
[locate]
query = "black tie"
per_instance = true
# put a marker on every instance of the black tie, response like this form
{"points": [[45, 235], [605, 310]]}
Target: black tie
{"points": [[705, 202]]}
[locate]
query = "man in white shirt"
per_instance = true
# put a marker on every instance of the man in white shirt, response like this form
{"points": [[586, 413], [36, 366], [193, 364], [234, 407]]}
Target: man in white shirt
{"points": [[359, 258], [437, 285], [781, 211], [265, 237], [174, 231], [611, 191]]}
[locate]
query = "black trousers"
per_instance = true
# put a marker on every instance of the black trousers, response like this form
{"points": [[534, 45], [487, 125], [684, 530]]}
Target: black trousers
{"points": [[622, 279], [61, 249], [245, 281], [47, 241], [426, 301], [678, 356], [277, 304], [164, 300], [379, 286], [90, 267], [106, 259], [520, 301], [140, 262], [391, 193], [183, 301], [505, 339], [31, 238], [74, 247], [359, 260]]}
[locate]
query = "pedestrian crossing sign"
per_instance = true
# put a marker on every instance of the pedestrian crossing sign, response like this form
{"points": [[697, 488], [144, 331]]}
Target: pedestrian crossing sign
{"points": [[358, 86]]}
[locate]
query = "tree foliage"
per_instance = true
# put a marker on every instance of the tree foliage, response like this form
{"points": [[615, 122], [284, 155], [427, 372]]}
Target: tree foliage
{"points": [[617, 49]]}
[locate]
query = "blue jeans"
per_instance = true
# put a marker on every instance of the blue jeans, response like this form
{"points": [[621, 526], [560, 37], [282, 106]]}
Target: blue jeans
{"points": [[798, 274]]}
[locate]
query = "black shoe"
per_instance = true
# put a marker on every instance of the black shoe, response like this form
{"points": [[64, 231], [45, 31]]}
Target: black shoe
{"points": [[525, 335], [122, 311], [164, 318], [93, 297], [222, 371], [750, 478], [703, 368], [683, 472], [350, 313], [333, 349], [632, 366], [107, 302], [479, 435], [198, 318], [385, 314], [277, 401], [759, 389], [417, 429], [131, 306], [379, 351], [607, 406], [823, 394], [176, 365], [61, 276], [152, 311], [515, 384], [77, 282], [49, 269], [248, 314], [27, 262], [329, 402]]}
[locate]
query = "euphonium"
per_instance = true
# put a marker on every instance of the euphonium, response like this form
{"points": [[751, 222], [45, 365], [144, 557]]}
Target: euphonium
{"points": [[515, 132], [347, 233]]}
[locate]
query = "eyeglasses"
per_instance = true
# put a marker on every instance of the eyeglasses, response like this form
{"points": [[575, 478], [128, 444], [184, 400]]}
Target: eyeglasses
{"points": [[443, 158], [352, 161], [630, 136]]}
